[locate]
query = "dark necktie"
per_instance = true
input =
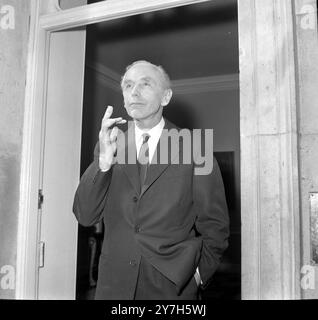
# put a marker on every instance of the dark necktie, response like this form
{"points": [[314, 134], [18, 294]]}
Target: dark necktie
{"points": [[143, 158]]}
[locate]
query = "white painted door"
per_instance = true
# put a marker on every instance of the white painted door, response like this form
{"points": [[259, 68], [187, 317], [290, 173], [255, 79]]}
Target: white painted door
{"points": [[61, 165]]}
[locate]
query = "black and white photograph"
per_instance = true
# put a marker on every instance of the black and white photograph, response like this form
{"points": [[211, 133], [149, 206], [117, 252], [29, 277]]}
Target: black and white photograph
{"points": [[158, 150]]}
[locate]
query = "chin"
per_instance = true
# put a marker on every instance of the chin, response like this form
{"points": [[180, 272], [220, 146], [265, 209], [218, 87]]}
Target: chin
{"points": [[136, 114]]}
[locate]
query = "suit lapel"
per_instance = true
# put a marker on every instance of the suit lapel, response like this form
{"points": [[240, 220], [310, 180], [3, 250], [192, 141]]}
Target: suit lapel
{"points": [[128, 162], [155, 170]]}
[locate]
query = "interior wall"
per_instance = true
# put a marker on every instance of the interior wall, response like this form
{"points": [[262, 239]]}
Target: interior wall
{"points": [[13, 59], [219, 110], [203, 47]]}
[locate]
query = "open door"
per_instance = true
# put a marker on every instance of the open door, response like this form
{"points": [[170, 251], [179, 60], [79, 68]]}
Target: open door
{"points": [[60, 165]]}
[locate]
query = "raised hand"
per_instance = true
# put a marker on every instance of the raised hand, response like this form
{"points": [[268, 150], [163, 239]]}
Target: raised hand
{"points": [[107, 139]]}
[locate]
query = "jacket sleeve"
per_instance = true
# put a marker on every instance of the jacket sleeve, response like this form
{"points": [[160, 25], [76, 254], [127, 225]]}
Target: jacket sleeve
{"points": [[91, 193], [212, 221]]}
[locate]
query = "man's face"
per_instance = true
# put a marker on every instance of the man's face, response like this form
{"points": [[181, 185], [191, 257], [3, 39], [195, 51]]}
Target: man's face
{"points": [[143, 91]]}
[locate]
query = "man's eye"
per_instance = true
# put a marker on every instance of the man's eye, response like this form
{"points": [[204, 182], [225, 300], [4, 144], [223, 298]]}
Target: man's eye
{"points": [[128, 86], [146, 84]]}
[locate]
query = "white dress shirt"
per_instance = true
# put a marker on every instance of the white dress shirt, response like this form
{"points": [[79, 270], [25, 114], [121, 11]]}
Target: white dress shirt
{"points": [[154, 133]]}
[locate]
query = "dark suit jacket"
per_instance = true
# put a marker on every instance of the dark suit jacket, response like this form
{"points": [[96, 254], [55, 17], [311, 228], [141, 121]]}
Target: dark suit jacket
{"points": [[177, 221]]}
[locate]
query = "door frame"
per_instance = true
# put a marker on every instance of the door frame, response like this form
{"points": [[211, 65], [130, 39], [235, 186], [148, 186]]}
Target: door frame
{"points": [[265, 124]]}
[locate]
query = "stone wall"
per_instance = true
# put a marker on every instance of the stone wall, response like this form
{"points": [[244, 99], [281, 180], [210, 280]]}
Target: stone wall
{"points": [[307, 52], [14, 33]]}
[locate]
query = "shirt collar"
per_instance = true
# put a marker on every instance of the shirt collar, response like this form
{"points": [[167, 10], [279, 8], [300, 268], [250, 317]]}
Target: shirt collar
{"points": [[153, 132]]}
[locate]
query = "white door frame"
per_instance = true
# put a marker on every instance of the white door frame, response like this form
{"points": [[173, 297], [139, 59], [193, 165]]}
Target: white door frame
{"points": [[269, 181]]}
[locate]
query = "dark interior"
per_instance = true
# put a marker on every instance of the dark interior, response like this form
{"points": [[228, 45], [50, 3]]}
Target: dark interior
{"points": [[192, 42]]}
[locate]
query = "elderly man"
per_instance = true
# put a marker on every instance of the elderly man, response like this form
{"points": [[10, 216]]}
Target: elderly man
{"points": [[166, 227]]}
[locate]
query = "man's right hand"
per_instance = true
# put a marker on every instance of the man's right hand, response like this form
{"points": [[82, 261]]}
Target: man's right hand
{"points": [[107, 139]]}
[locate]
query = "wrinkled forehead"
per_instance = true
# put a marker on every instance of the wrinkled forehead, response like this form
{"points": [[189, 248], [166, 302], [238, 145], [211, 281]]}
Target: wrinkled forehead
{"points": [[143, 71]]}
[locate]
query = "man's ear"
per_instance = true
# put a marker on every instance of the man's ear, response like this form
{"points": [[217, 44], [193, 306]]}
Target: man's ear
{"points": [[166, 97]]}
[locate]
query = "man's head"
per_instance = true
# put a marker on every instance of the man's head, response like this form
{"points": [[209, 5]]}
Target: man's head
{"points": [[146, 90]]}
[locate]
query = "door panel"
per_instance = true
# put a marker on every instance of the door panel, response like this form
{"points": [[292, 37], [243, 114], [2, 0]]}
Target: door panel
{"points": [[61, 164]]}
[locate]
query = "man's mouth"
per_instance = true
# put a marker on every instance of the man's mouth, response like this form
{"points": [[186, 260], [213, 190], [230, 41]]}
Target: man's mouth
{"points": [[136, 104]]}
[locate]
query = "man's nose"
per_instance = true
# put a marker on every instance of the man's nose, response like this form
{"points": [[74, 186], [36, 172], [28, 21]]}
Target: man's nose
{"points": [[135, 90]]}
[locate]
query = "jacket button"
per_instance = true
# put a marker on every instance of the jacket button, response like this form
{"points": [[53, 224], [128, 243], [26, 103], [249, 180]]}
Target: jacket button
{"points": [[133, 263], [135, 199], [137, 229]]}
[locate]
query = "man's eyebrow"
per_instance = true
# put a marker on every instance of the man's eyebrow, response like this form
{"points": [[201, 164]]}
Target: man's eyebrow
{"points": [[126, 80]]}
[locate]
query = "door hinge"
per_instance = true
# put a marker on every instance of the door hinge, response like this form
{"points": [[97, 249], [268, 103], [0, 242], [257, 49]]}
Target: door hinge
{"points": [[41, 254], [40, 199]]}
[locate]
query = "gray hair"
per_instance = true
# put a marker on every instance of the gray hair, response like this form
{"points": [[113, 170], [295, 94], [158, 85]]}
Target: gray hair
{"points": [[166, 79]]}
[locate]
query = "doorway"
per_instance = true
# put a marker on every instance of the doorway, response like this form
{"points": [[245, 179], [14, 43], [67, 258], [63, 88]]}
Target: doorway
{"points": [[187, 42], [270, 194]]}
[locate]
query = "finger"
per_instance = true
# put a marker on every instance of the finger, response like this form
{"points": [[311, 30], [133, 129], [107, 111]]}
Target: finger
{"points": [[104, 136], [113, 134], [108, 112], [107, 123]]}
